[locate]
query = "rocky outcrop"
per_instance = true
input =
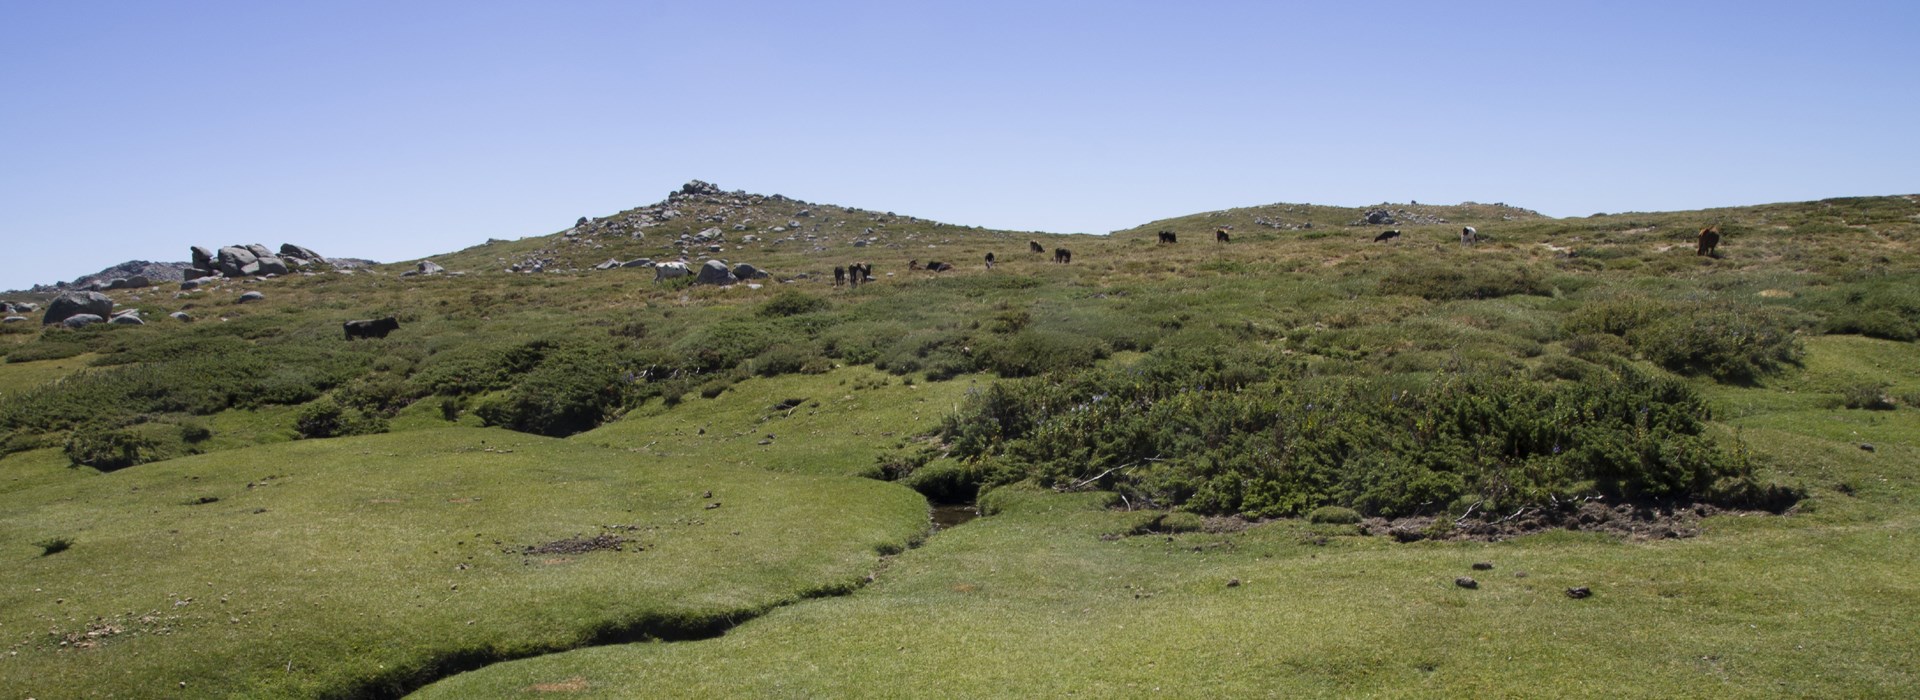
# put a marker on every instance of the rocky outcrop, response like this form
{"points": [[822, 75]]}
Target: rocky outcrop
{"points": [[253, 260], [73, 304], [426, 267]]}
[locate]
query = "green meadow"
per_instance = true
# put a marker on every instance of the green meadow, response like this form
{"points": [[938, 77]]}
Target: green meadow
{"points": [[1254, 468]]}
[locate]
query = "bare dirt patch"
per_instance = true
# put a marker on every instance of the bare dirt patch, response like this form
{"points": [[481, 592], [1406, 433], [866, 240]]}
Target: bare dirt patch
{"points": [[579, 544], [575, 684]]}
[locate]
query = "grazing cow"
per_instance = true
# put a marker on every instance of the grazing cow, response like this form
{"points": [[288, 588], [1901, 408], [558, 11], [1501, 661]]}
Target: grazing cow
{"points": [[939, 266], [989, 261], [860, 272], [1387, 235], [1169, 237], [913, 264], [669, 270], [1468, 235], [1035, 247], [1709, 239], [376, 328], [1062, 255], [1220, 236], [839, 276]]}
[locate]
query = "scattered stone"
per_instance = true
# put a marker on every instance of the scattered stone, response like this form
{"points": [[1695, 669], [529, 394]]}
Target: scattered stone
{"points": [[1579, 592], [181, 316], [749, 272], [1483, 566], [1466, 582], [713, 505], [13, 319], [250, 297], [189, 285], [1868, 446], [715, 272], [127, 319], [1233, 583], [79, 320], [608, 265], [638, 262], [670, 270], [73, 304], [428, 267]]}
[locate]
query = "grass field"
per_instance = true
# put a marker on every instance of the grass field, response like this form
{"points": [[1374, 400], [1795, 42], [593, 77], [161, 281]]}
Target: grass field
{"points": [[253, 506]]}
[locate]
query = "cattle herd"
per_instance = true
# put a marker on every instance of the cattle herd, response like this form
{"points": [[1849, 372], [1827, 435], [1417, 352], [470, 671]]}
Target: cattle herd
{"points": [[856, 273]]}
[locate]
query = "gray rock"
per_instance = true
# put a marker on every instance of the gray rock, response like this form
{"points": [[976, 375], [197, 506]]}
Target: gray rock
{"points": [[138, 282], [202, 259], [78, 320], [715, 272], [637, 262], [13, 319], [194, 274], [251, 269], [232, 258], [73, 304], [181, 316], [127, 320], [289, 250], [860, 244], [608, 265], [117, 283], [749, 272], [429, 267], [259, 251], [271, 265], [188, 285], [250, 296], [707, 235]]}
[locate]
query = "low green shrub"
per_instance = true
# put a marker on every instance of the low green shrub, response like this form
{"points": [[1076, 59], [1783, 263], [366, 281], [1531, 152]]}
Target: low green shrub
{"points": [[326, 418], [1439, 281], [1333, 515], [1871, 397], [793, 303]]}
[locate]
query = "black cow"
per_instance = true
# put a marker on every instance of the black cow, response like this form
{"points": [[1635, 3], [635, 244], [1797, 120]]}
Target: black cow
{"points": [[1169, 237], [937, 266], [989, 261], [1709, 239], [839, 276], [378, 328], [1062, 255], [1387, 235], [1220, 236], [1036, 247]]}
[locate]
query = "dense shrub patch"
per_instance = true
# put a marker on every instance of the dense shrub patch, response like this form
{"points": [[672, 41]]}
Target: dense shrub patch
{"points": [[1247, 435]]}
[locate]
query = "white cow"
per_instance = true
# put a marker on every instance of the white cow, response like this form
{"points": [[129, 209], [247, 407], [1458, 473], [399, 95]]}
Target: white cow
{"points": [[1468, 235], [669, 270]]}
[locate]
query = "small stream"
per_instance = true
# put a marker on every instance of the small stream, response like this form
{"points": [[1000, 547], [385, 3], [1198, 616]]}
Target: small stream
{"points": [[947, 515]]}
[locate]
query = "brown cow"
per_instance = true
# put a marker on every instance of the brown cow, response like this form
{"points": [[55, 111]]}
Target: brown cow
{"points": [[1220, 236], [1169, 237], [1062, 255], [1036, 247], [1709, 239]]}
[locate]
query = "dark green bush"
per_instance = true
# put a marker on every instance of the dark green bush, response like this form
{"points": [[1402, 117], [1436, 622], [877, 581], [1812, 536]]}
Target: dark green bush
{"points": [[1171, 431], [1729, 344], [119, 443], [793, 303], [1029, 353], [326, 418], [574, 388]]}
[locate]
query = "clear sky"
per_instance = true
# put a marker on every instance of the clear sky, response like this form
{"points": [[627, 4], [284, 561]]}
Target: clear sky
{"points": [[394, 130]]}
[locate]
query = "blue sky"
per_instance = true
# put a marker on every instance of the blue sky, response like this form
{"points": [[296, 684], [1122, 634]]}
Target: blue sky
{"points": [[394, 130]]}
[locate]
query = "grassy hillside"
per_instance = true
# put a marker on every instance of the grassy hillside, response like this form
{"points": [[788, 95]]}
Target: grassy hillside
{"points": [[1150, 420]]}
